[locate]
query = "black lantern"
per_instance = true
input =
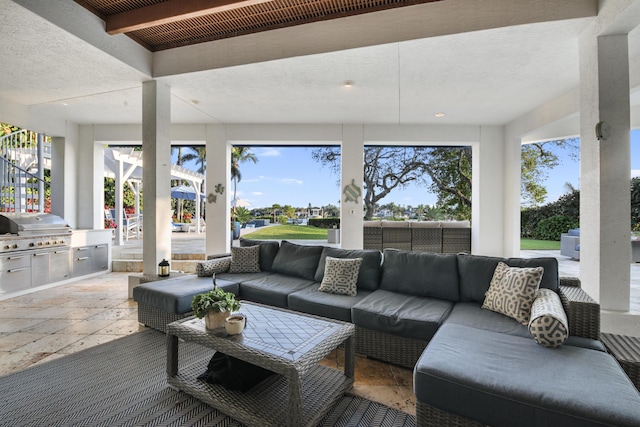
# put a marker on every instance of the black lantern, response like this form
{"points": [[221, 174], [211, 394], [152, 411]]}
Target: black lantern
{"points": [[163, 268]]}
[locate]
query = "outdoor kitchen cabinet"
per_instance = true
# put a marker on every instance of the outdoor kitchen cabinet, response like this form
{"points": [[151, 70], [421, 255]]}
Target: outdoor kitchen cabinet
{"points": [[15, 272], [59, 267], [100, 261], [81, 261]]}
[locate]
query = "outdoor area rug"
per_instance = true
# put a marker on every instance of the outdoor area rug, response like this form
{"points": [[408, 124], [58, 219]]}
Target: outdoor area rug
{"points": [[123, 383]]}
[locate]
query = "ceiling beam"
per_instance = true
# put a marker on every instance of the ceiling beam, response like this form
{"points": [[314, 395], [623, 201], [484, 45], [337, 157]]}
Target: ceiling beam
{"points": [[170, 11]]}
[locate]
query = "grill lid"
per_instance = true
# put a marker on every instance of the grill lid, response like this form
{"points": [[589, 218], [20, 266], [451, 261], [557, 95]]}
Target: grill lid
{"points": [[30, 224]]}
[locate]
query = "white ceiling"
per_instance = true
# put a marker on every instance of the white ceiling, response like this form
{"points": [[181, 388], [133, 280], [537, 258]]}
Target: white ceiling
{"points": [[482, 77]]}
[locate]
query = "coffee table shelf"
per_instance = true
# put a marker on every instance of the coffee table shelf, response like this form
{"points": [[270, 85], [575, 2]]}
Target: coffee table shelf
{"points": [[288, 343], [266, 404]]}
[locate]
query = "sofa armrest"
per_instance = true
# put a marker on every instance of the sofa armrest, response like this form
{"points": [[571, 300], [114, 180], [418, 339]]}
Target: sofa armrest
{"points": [[211, 266], [583, 312], [228, 254]]}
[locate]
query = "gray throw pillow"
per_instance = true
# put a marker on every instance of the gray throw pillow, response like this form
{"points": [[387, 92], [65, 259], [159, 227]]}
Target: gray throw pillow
{"points": [[340, 276], [216, 265], [245, 260], [268, 251]]}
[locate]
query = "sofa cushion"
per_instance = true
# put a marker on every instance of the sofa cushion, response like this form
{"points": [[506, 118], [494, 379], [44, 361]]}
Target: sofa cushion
{"points": [[370, 269], [245, 260], [268, 251], [273, 289], [421, 274], [550, 277], [240, 277], [471, 314], [504, 380], [548, 323], [475, 273], [297, 260], [175, 295], [340, 276], [402, 315], [216, 265], [334, 306], [513, 290]]}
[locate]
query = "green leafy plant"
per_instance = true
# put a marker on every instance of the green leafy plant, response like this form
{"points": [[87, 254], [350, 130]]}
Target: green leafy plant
{"points": [[551, 228], [216, 300]]}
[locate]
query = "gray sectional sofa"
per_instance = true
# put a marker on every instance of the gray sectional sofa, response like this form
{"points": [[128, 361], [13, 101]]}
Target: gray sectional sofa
{"points": [[472, 366]]}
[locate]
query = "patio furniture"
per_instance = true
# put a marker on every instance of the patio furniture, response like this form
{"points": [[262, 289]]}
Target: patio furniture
{"points": [[626, 350], [570, 244], [287, 343]]}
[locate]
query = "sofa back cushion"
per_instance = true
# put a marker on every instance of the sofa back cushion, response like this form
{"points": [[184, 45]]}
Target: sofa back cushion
{"points": [[370, 269], [297, 260], [550, 278], [268, 251], [476, 273], [421, 274]]}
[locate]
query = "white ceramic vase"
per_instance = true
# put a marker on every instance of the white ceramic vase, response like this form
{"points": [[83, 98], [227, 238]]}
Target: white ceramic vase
{"points": [[215, 319]]}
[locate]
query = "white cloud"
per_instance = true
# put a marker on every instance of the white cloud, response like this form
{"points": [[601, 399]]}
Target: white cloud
{"points": [[292, 181], [257, 193], [635, 173], [269, 152]]}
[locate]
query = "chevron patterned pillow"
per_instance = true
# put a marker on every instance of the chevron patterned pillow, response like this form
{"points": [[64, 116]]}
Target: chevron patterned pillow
{"points": [[341, 276], [548, 324]]}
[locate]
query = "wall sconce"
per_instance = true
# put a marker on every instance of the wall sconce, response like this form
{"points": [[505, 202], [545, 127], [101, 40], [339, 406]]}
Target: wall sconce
{"points": [[603, 131]]}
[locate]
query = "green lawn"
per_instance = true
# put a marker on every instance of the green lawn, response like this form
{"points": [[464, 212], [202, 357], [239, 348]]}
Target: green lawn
{"points": [[288, 232], [305, 232], [531, 244]]}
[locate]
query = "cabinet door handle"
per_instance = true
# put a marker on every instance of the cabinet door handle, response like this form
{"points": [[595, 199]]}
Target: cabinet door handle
{"points": [[82, 258], [82, 249], [15, 257], [15, 270], [100, 246], [39, 254]]}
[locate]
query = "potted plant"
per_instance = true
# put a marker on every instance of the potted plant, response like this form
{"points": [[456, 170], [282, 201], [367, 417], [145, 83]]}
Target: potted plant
{"points": [[215, 306]]}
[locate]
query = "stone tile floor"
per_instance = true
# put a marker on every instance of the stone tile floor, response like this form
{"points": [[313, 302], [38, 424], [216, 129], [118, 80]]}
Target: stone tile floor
{"points": [[61, 320]]}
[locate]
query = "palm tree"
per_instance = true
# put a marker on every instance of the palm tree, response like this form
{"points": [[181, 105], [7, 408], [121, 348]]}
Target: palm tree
{"points": [[239, 155], [199, 155]]}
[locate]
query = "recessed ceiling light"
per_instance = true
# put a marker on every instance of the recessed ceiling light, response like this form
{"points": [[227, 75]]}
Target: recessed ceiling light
{"points": [[439, 114], [348, 83]]}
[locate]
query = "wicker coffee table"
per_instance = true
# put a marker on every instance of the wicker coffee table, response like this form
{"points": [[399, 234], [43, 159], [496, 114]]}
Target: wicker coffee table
{"points": [[282, 341]]}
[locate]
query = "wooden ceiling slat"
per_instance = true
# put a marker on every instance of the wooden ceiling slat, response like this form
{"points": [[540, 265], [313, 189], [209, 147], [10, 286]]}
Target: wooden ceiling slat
{"points": [[257, 15]]}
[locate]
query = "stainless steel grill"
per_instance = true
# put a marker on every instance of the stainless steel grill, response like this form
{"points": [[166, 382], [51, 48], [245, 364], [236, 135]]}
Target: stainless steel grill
{"points": [[34, 250], [32, 224]]}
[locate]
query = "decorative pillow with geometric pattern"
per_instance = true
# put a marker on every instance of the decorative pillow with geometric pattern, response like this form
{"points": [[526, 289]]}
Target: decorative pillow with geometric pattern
{"points": [[245, 260], [548, 324], [216, 265], [513, 290], [341, 276]]}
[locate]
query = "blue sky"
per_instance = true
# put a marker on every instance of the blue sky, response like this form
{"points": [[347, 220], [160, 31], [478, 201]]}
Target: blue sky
{"points": [[288, 176]]}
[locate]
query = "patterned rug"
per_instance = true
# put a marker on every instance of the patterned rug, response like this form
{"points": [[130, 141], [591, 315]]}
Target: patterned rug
{"points": [[123, 383]]}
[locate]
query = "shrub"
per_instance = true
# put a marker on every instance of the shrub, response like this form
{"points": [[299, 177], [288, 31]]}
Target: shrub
{"points": [[325, 222], [551, 228]]}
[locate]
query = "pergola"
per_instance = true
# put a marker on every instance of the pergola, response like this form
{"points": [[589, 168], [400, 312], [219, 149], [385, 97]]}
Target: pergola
{"points": [[126, 165]]}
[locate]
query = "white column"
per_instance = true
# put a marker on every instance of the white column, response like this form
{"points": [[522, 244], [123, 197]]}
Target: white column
{"points": [[64, 171], [351, 179], [489, 173], [218, 179], [40, 154], [605, 171], [118, 202], [156, 175], [90, 180]]}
